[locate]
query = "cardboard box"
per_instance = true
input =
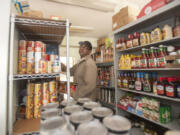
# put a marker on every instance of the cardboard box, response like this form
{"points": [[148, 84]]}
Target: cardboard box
{"points": [[34, 14], [101, 41], [123, 17]]}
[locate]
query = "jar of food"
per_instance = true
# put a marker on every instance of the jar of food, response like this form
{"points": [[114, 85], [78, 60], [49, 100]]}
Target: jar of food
{"points": [[176, 30], [148, 37], [130, 41], [171, 87], [92, 128], [157, 34], [162, 81], [101, 112], [167, 32], [117, 125], [136, 39], [143, 38]]}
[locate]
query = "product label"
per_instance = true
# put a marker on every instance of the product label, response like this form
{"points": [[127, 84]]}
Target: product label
{"points": [[147, 87], [144, 63], [153, 62], [129, 44], [138, 63], [125, 83], [178, 91], [119, 83], [135, 42], [131, 86], [162, 62], [160, 89], [169, 91], [138, 85]]}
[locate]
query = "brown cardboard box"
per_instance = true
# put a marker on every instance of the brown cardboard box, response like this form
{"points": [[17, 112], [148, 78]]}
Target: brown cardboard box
{"points": [[101, 41], [34, 13], [123, 17]]}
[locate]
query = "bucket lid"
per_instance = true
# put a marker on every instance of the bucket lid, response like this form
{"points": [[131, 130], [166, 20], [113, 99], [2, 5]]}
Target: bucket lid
{"points": [[81, 117], [102, 112], [91, 105], [83, 100], [117, 123], [52, 123], [71, 102], [172, 132], [50, 113], [92, 128], [73, 108], [49, 106]]}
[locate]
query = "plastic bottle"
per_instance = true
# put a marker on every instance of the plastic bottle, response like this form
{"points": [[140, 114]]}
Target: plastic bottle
{"points": [[138, 83], [147, 83]]}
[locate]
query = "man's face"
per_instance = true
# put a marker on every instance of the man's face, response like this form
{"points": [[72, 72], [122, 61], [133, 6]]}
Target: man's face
{"points": [[84, 51]]}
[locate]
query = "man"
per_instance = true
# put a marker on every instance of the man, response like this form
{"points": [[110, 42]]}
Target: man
{"points": [[85, 73]]}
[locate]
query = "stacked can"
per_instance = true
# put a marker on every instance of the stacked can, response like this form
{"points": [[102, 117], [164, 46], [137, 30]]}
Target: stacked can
{"points": [[56, 65], [38, 55], [37, 100], [22, 59], [53, 91], [30, 100], [43, 61], [30, 57], [45, 93]]}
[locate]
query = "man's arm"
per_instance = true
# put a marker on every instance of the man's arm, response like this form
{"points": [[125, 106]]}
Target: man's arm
{"points": [[72, 70]]}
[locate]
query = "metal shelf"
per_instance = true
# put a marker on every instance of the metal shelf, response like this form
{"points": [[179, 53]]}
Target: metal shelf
{"points": [[167, 41], [41, 29], [105, 64], [105, 87], [150, 69], [150, 94], [35, 76], [163, 12], [174, 125], [111, 106]]}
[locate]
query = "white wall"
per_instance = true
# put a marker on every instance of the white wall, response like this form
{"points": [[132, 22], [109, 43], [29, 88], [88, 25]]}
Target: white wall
{"points": [[74, 46], [4, 46]]}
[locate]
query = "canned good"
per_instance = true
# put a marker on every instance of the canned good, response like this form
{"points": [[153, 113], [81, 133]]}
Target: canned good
{"points": [[45, 89], [52, 57], [30, 89], [30, 68], [53, 98], [43, 66], [22, 67], [38, 46], [52, 87], [30, 51], [38, 89], [37, 101], [22, 50], [37, 112], [49, 67], [29, 101], [45, 99], [38, 67], [43, 50], [29, 112]]}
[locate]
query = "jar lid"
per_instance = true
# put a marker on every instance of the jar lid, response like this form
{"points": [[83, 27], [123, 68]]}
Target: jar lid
{"points": [[49, 106], [60, 132], [71, 102], [72, 108], [83, 100], [91, 104], [50, 113], [52, 123], [92, 128], [117, 123], [81, 117], [102, 112]]}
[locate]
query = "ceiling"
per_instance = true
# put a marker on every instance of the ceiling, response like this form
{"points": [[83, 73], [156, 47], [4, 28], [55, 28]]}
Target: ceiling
{"points": [[90, 18]]}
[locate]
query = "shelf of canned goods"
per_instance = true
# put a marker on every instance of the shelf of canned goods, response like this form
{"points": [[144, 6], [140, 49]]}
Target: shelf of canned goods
{"points": [[36, 76], [28, 39], [105, 64], [128, 53]]}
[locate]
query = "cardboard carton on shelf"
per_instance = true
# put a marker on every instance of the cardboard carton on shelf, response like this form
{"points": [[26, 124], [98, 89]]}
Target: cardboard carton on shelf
{"points": [[34, 14], [123, 17]]}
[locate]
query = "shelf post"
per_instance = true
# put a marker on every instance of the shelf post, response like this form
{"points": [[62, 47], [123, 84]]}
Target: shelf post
{"points": [[67, 60]]}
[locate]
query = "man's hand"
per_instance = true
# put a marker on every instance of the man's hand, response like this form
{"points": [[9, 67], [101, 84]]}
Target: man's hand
{"points": [[63, 67]]}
